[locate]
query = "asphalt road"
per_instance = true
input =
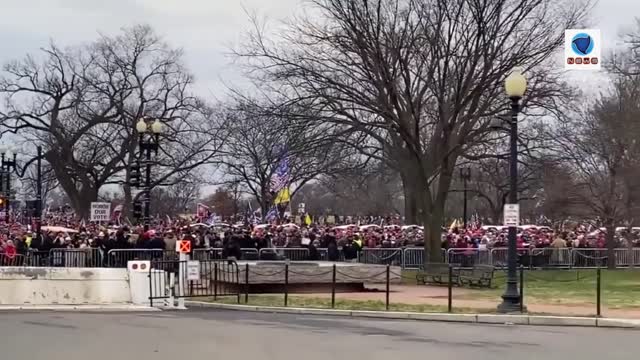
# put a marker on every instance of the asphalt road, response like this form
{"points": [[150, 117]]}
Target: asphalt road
{"points": [[215, 334]]}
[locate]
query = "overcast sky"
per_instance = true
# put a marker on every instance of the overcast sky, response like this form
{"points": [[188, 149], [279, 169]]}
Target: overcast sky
{"points": [[203, 28]]}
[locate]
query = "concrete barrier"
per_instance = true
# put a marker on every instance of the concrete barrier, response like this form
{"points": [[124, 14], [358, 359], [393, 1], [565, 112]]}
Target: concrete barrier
{"points": [[63, 286]]}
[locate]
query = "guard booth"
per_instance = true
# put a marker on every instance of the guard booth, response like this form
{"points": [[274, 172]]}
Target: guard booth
{"points": [[173, 281]]}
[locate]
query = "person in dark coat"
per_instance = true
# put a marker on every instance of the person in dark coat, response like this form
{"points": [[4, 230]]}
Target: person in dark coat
{"points": [[232, 248], [332, 247]]}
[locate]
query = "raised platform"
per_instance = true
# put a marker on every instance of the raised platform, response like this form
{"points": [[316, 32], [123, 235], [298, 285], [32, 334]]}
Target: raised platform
{"points": [[313, 276]]}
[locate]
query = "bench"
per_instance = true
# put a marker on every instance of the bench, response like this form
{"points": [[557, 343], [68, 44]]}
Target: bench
{"points": [[478, 276], [438, 273]]}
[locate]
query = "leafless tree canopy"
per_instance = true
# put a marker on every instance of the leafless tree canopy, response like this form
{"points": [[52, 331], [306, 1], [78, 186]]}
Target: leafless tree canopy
{"points": [[421, 79], [81, 104], [259, 136]]}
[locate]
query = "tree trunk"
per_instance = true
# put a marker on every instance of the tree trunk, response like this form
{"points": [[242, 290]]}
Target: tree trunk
{"points": [[81, 202], [410, 201], [611, 245], [80, 194], [433, 235], [496, 216], [432, 216]]}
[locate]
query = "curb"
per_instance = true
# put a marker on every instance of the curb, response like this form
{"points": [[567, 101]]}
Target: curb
{"points": [[443, 317], [100, 308]]}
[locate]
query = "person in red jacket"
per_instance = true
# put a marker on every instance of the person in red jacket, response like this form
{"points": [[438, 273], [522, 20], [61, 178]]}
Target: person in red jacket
{"points": [[9, 253]]}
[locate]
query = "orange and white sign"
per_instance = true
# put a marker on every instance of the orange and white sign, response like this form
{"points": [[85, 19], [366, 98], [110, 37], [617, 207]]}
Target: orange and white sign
{"points": [[183, 246]]}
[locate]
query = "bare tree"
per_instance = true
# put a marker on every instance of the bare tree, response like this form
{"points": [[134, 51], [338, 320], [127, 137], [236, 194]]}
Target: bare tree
{"points": [[176, 199], [82, 104], [225, 201], [602, 150], [374, 190], [259, 137], [30, 181], [421, 78]]}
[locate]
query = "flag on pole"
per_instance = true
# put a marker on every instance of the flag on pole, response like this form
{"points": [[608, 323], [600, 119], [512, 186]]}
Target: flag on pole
{"points": [[283, 196], [281, 178], [272, 214], [202, 211], [117, 211], [453, 225]]}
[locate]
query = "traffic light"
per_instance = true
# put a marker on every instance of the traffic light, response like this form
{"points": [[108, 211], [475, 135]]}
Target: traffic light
{"points": [[137, 209], [134, 175], [2, 201]]}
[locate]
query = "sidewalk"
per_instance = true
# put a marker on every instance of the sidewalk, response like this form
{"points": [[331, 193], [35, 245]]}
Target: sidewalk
{"points": [[445, 317], [435, 295]]}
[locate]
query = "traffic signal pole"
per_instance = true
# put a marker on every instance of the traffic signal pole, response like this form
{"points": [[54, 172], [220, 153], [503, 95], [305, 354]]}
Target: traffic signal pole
{"points": [[147, 190]]}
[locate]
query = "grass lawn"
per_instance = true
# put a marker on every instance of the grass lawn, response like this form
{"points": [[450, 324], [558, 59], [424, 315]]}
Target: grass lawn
{"points": [[620, 288], [342, 304]]}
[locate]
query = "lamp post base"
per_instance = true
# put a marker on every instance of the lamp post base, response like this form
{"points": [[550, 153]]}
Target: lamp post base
{"points": [[510, 307], [511, 304]]}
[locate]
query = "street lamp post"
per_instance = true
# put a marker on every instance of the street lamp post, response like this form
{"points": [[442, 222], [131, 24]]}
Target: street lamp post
{"points": [[39, 196], [465, 174], [8, 165], [515, 87], [149, 137]]}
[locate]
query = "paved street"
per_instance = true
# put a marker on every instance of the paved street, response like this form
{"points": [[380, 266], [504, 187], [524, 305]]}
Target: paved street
{"points": [[213, 334]]}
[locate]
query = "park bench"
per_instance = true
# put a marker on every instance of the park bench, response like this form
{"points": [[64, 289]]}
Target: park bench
{"points": [[437, 273], [478, 276]]}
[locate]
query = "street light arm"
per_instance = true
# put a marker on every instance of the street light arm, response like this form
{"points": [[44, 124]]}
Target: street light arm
{"points": [[21, 173]]}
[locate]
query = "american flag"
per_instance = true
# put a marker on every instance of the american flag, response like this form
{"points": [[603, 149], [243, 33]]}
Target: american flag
{"points": [[272, 214], [281, 178], [476, 224]]}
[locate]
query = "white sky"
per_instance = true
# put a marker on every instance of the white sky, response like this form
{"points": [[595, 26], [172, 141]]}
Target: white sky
{"points": [[205, 29]]}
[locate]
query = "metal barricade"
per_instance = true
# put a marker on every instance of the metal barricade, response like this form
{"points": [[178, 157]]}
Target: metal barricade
{"points": [[250, 254], [214, 278], [468, 257], [589, 258], [413, 258], [293, 254], [120, 257], [38, 258], [381, 256], [627, 257], [323, 253], [499, 256], [88, 257], [207, 254], [13, 260], [218, 254], [548, 258]]}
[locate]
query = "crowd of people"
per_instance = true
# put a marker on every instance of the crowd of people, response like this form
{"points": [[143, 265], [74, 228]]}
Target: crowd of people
{"points": [[342, 241]]}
